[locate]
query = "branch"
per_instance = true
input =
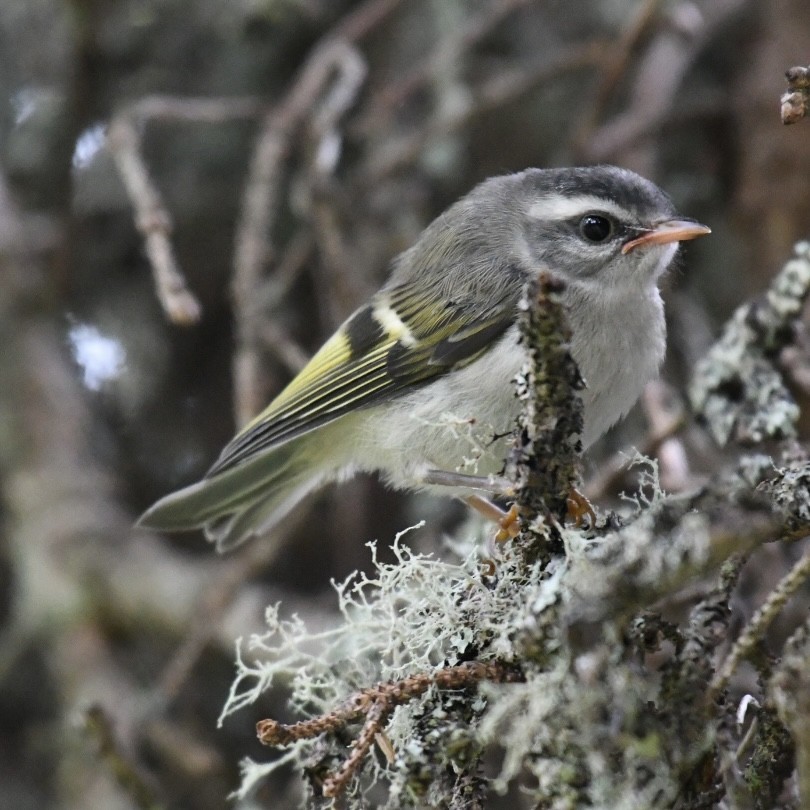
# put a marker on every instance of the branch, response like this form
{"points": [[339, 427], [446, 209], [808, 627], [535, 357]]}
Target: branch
{"points": [[543, 461], [756, 629], [737, 390], [375, 704], [152, 218], [796, 101], [261, 202]]}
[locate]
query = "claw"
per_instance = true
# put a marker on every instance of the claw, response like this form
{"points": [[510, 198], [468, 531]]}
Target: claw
{"points": [[579, 507], [509, 525]]}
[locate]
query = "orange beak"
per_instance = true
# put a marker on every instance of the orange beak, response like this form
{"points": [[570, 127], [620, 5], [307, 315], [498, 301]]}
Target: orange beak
{"points": [[673, 230]]}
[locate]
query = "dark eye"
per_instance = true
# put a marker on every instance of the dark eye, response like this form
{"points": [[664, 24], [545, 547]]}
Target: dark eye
{"points": [[595, 228]]}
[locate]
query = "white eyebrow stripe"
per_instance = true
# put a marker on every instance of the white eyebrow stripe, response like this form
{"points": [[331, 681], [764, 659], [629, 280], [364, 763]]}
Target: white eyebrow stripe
{"points": [[558, 208]]}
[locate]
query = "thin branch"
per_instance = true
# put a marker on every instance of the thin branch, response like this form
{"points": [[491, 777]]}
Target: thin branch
{"points": [[215, 599], [261, 203], [152, 218], [394, 94], [214, 110], [334, 53], [153, 221], [760, 621], [795, 103], [375, 704], [617, 66], [664, 424], [491, 95]]}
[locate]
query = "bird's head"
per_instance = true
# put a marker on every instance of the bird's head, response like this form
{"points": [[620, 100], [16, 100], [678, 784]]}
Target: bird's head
{"points": [[599, 226]]}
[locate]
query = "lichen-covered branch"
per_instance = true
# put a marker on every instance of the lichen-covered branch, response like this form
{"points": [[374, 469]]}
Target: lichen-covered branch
{"points": [[543, 460], [374, 705], [737, 389], [789, 689]]}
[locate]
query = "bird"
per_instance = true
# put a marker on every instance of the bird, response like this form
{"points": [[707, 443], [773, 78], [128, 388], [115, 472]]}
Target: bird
{"points": [[440, 339]]}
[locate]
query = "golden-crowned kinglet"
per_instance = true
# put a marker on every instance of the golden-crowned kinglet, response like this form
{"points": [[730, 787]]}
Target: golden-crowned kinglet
{"points": [[441, 338]]}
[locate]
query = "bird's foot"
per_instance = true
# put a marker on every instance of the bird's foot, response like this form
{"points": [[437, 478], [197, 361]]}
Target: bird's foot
{"points": [[507, 521], [579, 508]]}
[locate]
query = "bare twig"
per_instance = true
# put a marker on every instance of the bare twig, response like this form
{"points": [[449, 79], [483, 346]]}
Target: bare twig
{"points": [[153, 222], [152, 218], [393, 95], [216, 597], [795, 103], [334, 53], [617, 66], [276, 340], [260, 208], [491, 95], [215, 110], [664, 422], [334, 288], [363, 19]]}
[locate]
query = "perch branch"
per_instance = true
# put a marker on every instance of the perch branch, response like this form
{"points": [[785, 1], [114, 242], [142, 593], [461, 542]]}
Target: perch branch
{"points": [[543, 460]]}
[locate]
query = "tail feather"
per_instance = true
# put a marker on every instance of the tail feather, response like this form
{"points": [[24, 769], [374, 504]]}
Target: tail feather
{"points": [[241, 502]]}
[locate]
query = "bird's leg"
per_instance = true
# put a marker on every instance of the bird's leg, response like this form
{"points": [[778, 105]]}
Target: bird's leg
{"points": [[488, 483], [508, 525], [579, 507]]}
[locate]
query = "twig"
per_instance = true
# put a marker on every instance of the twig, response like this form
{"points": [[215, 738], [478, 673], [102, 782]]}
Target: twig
{"points": [[755, 630], [375, 704], [664, 425], [795, 103], [616, 67], [491, 95], [216, 597], [254, 246], [289, 353], [393, 95], [152, 218], [260, 209], [789, 690], [215, 110], [363, 19], [334, 291], [153, 222]]}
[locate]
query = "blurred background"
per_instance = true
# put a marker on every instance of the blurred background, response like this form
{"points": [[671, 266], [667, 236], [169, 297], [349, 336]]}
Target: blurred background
{"points": [[256, 164]]}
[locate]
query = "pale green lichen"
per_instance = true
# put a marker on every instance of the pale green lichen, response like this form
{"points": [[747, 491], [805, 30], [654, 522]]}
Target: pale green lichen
{"points": [[585, 724], [737, 389]]}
